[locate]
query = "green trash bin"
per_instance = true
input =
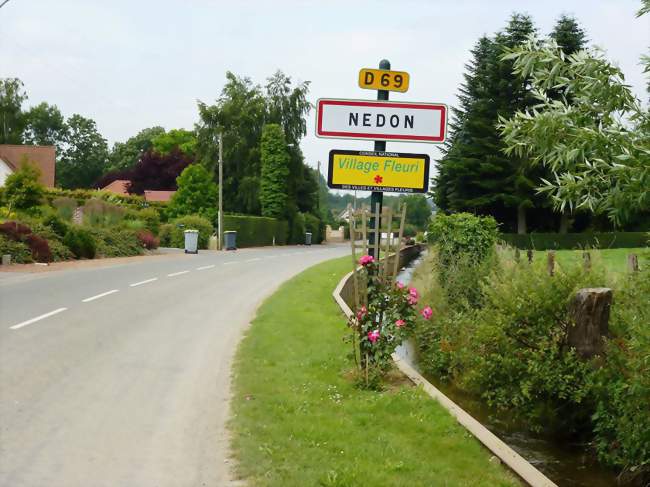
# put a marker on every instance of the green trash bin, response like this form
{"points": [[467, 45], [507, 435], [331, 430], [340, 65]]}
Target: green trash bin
{"points": [[230, 240], [308, 238]]}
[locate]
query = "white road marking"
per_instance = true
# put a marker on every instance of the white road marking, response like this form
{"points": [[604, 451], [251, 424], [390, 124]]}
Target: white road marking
{"points": [[143, 282], [233, 262], [173, 274], [38, 318], [202, 268], [92, 298], [253, 260], [271, 257]]}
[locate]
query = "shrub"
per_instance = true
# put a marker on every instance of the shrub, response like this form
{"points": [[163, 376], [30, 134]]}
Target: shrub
{"points": [[151, 219], [65, 207], [22, 189], [147, 239], [197, 193], [98, 213], [39, 247], [256, 231], [15, 230], [59, 251], [166, 234], [297, 232], [19, 251], [80, 242], [316, 226], [56, 224], [116, 242], [548, 241]]}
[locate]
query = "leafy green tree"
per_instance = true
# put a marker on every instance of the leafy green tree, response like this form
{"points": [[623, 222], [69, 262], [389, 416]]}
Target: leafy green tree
{"points": [[125, 155], [184, 140], [85, 154], [12, 119], [275, 170], [418, 211], [197, 194], [45, 125], [595, 137], [568, 34], [22, 189]]}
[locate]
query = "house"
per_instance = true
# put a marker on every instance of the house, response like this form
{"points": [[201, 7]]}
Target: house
{"points": [[162, 196], [14, 156], [119, 186]]}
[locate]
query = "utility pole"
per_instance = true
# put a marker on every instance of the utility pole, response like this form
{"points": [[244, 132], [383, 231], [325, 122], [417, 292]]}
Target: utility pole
{"points": [[220, 217], [377, 197]]}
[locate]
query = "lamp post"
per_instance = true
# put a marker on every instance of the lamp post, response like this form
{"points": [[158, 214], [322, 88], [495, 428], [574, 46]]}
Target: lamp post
{"points": [[220, 216]]}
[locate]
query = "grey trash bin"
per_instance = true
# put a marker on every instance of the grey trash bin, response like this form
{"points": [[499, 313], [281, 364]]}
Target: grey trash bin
{"points": [[230, 240], [308, 238], [191, 241]]}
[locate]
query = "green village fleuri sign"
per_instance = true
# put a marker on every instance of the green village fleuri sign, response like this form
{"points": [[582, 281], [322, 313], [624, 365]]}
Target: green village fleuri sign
{"points": [[378, 171]]}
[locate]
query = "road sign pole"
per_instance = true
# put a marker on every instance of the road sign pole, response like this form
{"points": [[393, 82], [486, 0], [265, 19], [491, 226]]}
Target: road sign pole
{"points": [[377, 197]]}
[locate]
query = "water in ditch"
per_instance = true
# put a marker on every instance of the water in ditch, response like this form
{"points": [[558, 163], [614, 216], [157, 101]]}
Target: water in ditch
{"points": [[567, 464]]}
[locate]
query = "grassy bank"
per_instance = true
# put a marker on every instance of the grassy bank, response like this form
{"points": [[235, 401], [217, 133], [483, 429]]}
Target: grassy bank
{"points": [[299, 421]]}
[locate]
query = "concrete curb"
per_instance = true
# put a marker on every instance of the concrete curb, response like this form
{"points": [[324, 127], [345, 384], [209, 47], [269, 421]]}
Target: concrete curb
{"points": [[507, 455]]}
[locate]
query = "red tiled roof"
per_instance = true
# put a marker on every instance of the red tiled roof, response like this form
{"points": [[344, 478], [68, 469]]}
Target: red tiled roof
{"points": [[42, 156], [152, 195], [119, 186]]}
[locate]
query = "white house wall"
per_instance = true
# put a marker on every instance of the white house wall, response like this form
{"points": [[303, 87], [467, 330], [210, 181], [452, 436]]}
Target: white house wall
{"points": [[5, 171]]}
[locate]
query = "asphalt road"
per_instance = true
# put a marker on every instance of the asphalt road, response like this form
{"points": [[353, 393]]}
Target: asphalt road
{"points": [[119, 376]]}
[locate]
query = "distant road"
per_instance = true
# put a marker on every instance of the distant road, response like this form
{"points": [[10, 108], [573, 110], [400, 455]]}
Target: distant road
{"points": [[119, 376]]}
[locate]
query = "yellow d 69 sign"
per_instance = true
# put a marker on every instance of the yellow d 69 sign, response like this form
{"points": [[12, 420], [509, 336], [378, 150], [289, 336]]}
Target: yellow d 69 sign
{"points": [[380, 79]]}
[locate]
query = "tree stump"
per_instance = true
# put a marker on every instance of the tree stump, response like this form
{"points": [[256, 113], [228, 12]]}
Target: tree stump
{"points": [[633, 263], [550, 262], [590, 316], [529, 254], [586, 260]]}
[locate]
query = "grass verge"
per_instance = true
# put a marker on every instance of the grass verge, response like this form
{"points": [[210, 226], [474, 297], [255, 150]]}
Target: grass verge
{"points": [[299, 421]]}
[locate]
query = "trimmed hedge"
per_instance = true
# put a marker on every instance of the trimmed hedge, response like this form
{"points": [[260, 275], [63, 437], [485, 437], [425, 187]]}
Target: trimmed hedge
{"points": [[557, 241], [256, 231]]}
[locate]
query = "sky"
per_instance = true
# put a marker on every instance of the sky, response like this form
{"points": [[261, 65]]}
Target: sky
{"points": [[135, 64]]}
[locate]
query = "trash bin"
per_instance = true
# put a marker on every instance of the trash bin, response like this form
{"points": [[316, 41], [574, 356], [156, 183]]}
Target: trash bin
{"points": [[191, 241], [230, 240], [308, 238]]}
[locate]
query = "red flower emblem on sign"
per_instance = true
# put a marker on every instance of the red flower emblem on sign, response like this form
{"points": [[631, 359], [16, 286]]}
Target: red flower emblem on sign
{"points": [[378, 179]]}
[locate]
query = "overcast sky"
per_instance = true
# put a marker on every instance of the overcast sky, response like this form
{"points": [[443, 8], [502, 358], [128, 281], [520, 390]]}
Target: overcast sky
{"points": [[133, 64]]}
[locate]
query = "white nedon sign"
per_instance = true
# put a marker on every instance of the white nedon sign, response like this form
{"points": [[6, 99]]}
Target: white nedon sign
{"points": [[381, 120]]}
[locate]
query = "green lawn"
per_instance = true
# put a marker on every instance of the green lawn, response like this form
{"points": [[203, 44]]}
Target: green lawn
{"points": [[299, 421]]}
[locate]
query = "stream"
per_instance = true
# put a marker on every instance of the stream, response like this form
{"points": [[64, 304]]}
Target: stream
{"points": [[566, 464]]}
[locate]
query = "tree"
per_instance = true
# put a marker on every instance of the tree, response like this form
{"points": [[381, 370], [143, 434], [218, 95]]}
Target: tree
{"points": [[12, 120], [418, 211], [197, 194], [184, 140], [125, 155], [275, 170], [597, 143], [22, 189], [156, 171], [45, 125], [85, 154]]}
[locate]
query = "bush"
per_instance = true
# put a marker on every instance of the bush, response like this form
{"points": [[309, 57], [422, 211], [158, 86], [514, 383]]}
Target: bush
{"points": [[165, 234], [550, 241], [19, 251], [409, 230], [147, 239], [22, 190], [56, 224], [171, 234], [151, 219], [59, 251], [316, 226], [65, 207], [297, 231], [19, 232], [39, 247], [116, 242], [98, 213], [256, 231], [81, 243]]}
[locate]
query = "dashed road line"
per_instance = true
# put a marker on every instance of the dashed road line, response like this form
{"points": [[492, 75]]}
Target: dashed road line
{"points": [[143, 282], [253, 260], [38, 318], [202, 268], [97, 296], [233, 262], [174, 274]]}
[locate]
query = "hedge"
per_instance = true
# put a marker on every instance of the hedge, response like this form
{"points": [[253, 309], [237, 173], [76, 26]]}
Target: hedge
{"points": [[82, 195], [550, 241], [256, 231]]}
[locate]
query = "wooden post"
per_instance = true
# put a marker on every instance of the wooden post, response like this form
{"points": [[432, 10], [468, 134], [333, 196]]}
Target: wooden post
{"points": [[529, 254], [590, 316], [586, 260], [377, 229], [550, 262], [353, 232], [389, 229], [399, 241], [517, 255], [633, 263], [364, 229]]}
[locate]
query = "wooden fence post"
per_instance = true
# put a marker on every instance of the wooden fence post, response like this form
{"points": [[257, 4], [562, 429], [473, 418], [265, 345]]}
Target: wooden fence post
{"points": [[529, 254], [586, 260], [633, 263], [550, 262], [590, 316]]}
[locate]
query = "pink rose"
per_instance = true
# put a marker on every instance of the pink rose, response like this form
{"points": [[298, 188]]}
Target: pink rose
{"points": [[399, 285], [366, 259], [414, 292], [400, 323], [412, 300], [362, 312], [373, 335], [427, 312]]}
